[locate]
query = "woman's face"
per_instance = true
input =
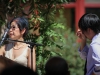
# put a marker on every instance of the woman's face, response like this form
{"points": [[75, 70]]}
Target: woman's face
{"points": [[14, 32]]}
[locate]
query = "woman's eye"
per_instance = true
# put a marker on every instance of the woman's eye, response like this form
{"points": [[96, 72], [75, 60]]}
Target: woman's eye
{"points": [[13, 27]]}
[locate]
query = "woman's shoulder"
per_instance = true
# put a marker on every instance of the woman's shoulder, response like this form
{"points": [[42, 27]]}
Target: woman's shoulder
{"points": [[2, 47], [2, 50]]}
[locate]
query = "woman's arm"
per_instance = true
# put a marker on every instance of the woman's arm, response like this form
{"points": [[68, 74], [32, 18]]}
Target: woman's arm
{"points": [[2, 50], [34, 59]]}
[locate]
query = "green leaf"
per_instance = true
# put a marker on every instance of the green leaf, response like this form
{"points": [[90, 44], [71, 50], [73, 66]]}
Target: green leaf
{"points": [[24, 1], [41, 19]]}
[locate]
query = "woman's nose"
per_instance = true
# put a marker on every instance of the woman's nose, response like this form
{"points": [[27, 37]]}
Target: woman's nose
{"points": [[10, 29]]}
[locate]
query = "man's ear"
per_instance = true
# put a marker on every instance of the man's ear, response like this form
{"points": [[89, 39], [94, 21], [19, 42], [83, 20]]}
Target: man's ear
{"points": [[23, 31], [89, 30]]}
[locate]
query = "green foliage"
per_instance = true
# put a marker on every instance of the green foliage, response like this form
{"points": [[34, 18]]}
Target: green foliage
{"points": [[70, 48], [70, 53], [52, 32]]}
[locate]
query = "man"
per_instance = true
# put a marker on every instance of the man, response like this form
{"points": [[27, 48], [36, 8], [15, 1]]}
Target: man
{"points": [[89, 28]]}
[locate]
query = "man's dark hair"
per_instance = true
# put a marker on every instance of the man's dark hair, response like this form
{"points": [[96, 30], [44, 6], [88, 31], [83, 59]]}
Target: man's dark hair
{"points": [[56, 66], [91, 21]]}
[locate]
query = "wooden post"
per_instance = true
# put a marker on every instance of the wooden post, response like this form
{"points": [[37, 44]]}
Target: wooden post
{"points": [[79, 11]]}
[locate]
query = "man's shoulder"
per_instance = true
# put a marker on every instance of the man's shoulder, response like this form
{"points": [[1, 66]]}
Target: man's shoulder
{"points": [[96, 41]]}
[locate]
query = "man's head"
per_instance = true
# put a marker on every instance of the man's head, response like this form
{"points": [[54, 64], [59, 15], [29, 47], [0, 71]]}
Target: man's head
{"points": [[89, 25], [56, 66]]}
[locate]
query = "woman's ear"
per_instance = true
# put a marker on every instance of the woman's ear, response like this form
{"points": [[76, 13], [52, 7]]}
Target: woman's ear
{"points": [[23, 31]]}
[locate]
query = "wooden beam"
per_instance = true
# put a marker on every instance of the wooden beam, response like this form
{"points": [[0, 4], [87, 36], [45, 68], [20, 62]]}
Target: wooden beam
{"points": [[69, 5], [92, 5]]}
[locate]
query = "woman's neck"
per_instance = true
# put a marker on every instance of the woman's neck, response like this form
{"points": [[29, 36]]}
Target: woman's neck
{"points": [[19, 43]]}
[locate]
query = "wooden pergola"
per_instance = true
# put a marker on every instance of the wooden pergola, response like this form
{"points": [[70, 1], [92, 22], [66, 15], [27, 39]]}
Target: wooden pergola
{"points": [[79, 6]]}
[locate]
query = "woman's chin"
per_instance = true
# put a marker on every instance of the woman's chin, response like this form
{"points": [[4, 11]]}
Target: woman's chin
{"points": [[12, 38]]}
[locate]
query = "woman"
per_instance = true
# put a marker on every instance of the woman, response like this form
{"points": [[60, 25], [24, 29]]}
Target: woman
{"points": [[17, 51]]}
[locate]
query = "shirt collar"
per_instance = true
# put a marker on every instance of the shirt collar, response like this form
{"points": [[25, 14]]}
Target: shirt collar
{"points": [[97, 35]]}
